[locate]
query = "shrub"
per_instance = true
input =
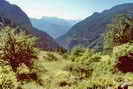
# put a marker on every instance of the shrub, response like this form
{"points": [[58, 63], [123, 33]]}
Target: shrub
{"points": [[61, 50], [122, 56], [102, 82], [88, 53], [8, 78], [77, 51], [120, 32], [122, 50], [64, 79], [23, 69], [79, 70], [50, 57], [125, 64], [17, 48]]}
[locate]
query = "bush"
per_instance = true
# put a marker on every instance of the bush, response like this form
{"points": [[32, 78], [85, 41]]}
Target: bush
{"points": [[64, 79], [122, 50], [123, 56], [88, 53], [50, 57], [120, 32], [77, 51], [61, 50], [17, 48], [8, 78], [79, 54], [79, 70]]}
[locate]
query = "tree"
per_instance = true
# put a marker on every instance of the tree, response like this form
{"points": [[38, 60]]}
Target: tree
{"points": [[120, 31], [17, 48]]}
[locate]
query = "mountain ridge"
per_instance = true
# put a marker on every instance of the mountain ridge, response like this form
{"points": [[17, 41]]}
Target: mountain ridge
{"points": [[19, 18], [54, 26], [92, 27]]}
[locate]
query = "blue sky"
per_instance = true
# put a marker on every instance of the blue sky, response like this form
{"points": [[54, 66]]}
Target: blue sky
{"points": [[68, 9]]}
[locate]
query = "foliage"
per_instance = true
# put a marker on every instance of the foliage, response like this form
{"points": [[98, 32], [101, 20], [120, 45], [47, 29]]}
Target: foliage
{"points": [[94, 71], [61, 50], [122, 50], [77, 50], [88, 53], [123, 56], [8, 78], [17, 48], [79, 54], [50, 57], [83, 69], [120, 32]]}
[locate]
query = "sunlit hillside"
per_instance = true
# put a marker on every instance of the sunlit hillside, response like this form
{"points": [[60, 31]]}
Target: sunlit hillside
{"points": [[95, 53]]}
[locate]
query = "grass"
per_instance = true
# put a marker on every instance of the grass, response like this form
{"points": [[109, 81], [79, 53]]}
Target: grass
{"points": [[64, 73], [55, 74], [55, 69]]}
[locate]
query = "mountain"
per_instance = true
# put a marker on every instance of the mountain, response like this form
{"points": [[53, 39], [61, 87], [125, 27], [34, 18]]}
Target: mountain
{"points": [[55, 27], [19, 18], [89, 32]]}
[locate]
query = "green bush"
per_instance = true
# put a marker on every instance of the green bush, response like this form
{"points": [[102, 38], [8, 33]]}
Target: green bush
{"points": [[120, 32], [80, 54], [80, 71], [50, 57], [8, 78], [122, 56], [17, 48], [77, 50], [64, 79], [88, 53], [122, 50]]}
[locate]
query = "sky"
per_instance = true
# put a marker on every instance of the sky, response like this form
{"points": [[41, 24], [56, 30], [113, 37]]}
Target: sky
{"points": [[67, 9]]}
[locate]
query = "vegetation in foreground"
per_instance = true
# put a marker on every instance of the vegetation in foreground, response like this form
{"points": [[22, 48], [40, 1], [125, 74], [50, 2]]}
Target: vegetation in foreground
{"points": [[22, 66]]}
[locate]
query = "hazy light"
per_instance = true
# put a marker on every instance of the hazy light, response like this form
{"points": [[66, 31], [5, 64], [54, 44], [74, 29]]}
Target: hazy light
{"points": [[68, 9]]}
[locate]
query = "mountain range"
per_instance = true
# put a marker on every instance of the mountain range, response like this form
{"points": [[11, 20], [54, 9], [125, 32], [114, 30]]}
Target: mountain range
{"points": [[68, 33], [54, 26], [19, 18], [89, 32]]}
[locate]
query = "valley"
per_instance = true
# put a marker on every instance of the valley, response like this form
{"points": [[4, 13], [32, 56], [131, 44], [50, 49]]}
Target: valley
{"points": [[55, 53]]}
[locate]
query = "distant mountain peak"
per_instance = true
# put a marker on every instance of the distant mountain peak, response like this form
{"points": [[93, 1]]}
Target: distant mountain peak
{"points": [[50, 17], [54, 26]]}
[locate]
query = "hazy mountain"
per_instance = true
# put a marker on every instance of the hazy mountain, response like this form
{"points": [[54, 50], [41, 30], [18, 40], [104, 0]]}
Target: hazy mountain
{"points": [[55, 27], [19, 18], [90, 30]]}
